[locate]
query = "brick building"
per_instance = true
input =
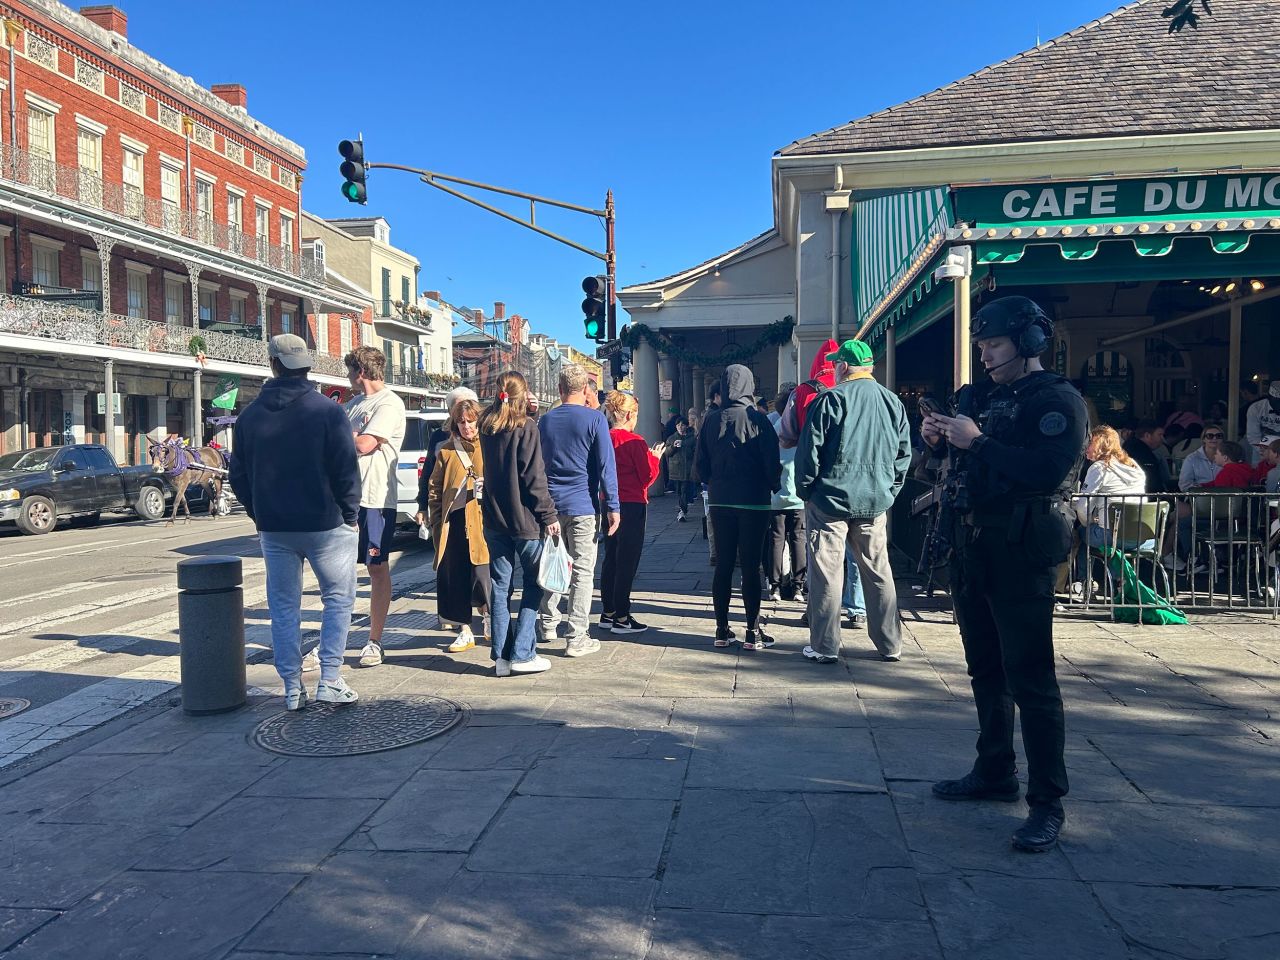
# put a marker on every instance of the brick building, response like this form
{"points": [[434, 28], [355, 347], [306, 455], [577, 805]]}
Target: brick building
{"points": [[150, 240]]}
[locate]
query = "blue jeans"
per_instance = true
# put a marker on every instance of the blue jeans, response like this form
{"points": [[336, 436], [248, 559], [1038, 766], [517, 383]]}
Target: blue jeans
{"points": [[332, 555], [514, 641], [852, 599]]}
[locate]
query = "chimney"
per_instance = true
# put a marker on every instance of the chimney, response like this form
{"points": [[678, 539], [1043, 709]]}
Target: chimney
{"points": [[433, 295], [234, 93], [109, 18], [499, 310], [479, 317]]}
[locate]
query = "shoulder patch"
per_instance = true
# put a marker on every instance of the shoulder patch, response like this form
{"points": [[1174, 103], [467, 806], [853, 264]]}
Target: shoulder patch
{"points": [[1052, 424]]}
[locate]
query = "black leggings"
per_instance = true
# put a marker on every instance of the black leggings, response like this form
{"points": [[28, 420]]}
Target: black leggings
{"points": [[622, 560], [739, 541]]}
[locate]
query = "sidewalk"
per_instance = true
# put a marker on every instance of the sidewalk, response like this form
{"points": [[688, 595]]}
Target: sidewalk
{"points": [[666, 800]]}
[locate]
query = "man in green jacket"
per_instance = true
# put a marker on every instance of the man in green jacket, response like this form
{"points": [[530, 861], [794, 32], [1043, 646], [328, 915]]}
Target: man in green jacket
{"points": [[852, 460]]}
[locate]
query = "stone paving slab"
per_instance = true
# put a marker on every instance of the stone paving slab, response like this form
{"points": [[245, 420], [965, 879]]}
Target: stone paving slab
{"points": [[766, 852], [605, 777], [174, 916], [357, 903], [263, 835], [1236, 924], [15, 925], [791, 759], [486, 915], [438, 810], [697, 935], [575, 836], [973, 919]]}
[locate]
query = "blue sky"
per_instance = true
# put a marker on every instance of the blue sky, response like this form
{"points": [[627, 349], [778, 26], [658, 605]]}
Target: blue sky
{"points": [[677, 107]]}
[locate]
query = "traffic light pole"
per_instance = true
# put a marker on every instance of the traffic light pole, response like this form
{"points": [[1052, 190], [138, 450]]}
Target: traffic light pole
{"points": [[608, 255]]}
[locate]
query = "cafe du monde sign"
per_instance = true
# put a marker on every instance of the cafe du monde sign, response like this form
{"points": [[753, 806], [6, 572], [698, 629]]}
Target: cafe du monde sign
{"points": [[1171, 198]]}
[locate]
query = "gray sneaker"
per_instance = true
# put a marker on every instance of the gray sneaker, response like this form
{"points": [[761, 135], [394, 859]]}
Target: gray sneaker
{"points": [[582, 646]]}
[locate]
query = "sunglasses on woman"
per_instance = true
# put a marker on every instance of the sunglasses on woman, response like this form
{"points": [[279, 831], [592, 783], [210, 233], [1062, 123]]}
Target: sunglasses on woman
{"points": [[1215, 436]]}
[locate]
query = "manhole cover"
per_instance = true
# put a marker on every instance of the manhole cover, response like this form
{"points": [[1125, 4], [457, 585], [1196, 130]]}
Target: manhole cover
{"points": [[369, 726], [11, 705]]}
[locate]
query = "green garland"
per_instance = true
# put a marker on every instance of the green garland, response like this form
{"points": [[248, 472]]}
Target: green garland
{"points": [[775, 334]]}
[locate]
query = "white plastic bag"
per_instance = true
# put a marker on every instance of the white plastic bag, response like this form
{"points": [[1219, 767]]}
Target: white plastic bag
{"points": [[424, 532], [556, 566]]}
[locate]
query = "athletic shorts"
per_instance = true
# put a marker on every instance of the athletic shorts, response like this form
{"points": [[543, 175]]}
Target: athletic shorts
{"points": [[377, 529]]}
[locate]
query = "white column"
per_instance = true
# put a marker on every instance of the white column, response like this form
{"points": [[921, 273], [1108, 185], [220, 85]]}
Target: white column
{"points": [[197, 408], [698, 387], [669, 369], [105, 245], [814, 254], [644, 378], [113, 438], [158, 416], [891, 359], [73, 405]]}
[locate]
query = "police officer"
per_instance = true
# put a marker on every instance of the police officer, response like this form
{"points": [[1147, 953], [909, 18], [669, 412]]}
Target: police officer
{"points": [[1016, 444]]}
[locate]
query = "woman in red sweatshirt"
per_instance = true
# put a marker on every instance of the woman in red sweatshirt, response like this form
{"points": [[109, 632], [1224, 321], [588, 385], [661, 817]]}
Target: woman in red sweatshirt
{"points": [[637, 469]]}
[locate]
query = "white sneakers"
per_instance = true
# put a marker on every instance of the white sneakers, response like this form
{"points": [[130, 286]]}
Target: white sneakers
{"points": [[581, 647], [371, 655], [536, 665], [463, 642], [311, 662], [295, 698], [336, 691]]}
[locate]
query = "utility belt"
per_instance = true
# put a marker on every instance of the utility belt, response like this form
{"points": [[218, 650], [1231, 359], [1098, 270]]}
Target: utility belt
{"points": [[1042, 526], [1013, 514]]}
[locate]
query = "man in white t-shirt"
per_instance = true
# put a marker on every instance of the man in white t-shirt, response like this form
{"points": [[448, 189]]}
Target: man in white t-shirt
{"points": [[378, 424]]}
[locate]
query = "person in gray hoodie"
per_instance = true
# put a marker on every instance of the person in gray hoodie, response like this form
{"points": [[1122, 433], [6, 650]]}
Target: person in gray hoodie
{"points": [[738, 459], [853, 458]]}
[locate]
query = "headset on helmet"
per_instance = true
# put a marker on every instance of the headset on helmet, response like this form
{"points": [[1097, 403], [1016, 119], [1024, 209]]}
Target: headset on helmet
{"points": [[1018, 318]]}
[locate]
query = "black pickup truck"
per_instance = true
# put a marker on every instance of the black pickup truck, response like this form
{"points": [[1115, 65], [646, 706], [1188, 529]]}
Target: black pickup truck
{"points": [[41, 487]]}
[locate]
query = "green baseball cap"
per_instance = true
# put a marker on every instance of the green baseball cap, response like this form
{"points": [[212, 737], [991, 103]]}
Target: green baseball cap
{"points": [[853, 352]]}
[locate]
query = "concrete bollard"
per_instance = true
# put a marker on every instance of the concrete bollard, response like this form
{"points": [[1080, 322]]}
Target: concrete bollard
{"points": [[211, 634]]}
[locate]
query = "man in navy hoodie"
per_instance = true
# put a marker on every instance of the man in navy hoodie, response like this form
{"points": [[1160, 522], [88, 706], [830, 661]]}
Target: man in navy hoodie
{"points": [[294, 470]]}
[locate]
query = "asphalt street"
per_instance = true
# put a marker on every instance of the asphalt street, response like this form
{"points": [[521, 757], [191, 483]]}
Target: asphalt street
{"points": [[84, 605]]}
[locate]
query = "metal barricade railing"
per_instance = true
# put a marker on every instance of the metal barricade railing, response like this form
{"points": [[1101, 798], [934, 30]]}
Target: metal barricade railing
{"points": [[1200, 550]]}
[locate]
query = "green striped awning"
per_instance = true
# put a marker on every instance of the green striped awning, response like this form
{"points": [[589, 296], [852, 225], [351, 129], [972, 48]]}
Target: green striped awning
{"points": [[894, 236]]}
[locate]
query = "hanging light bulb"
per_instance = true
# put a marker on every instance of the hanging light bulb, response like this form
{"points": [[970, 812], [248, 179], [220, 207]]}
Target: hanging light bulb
{"points": [[1231, 286], [1256, 285], [1216, 290]]}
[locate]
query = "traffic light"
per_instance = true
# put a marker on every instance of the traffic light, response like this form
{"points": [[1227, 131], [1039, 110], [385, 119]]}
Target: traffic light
{"points": [[352, 170], [593, 307]]}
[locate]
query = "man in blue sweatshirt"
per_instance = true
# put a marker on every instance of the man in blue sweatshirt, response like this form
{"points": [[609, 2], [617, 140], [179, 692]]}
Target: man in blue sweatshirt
{"points": [[578, 456], [294, 470]]}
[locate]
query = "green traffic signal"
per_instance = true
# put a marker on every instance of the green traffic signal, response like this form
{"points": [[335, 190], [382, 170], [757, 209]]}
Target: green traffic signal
{"points": [[353, 170], [593, 328]]}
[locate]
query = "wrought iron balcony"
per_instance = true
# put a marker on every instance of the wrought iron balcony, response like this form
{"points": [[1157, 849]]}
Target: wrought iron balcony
{"points": [[442, 382], [30, 317], [87, 189], [86, 299]]}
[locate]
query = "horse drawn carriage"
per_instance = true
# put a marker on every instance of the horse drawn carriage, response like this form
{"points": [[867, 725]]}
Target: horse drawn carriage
{"points": [[185, 465]]}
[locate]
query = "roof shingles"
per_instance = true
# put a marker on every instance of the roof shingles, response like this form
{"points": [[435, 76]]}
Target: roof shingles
{"points": [[1121, 75]]}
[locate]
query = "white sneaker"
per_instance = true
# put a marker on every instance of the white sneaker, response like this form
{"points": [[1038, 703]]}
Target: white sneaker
{"points": [[465, 641], [295, 698], [581, 647], [484, 619], [371, 655], [536, 665], [311, 662], [335, 691], [502, 668]]}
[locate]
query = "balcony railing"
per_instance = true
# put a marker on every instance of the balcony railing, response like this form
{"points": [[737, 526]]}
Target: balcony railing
{"points": [[81, 186], [442, 382], [54, 321]]}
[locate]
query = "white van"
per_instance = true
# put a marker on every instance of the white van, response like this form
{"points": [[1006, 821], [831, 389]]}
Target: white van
{"points": [[419, 425]]}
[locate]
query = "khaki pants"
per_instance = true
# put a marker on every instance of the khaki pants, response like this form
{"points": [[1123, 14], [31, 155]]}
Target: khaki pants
{"points": [[579, 535], [869, 543]]}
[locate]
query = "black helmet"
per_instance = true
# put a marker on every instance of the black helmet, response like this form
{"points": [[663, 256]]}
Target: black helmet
{"points": [[1018, 318]]}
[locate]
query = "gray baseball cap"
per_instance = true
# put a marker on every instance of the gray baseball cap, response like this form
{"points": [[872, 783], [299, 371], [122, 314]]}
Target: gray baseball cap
{"points": [[290, 350]]}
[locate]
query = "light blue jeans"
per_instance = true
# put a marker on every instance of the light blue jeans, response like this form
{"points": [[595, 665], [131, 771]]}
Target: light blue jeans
{"points": [[513, 640], [852, 599], [332, 555]]}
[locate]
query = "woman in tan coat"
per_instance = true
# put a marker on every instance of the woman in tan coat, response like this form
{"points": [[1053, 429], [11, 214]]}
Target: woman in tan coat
{"points": [[462, 558]]}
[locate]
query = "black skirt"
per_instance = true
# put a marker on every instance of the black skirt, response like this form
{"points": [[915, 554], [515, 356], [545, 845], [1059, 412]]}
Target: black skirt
{"points": [[461, 586]]}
